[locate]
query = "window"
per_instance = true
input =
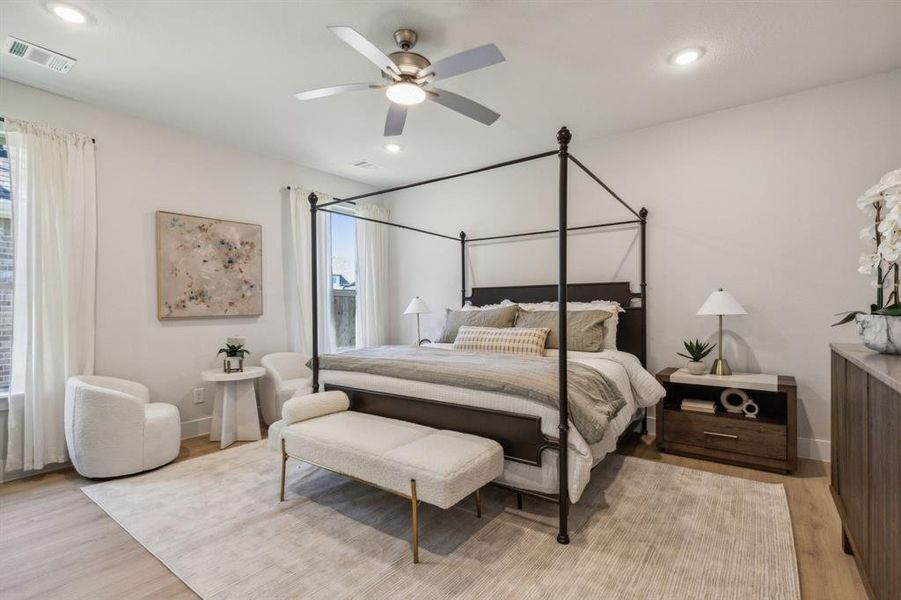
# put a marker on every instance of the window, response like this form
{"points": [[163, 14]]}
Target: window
{"points": [[344, 277], [6, 270]]}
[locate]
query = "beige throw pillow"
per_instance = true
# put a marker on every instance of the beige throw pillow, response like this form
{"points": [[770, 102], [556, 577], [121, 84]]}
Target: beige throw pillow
{"points": [[454, 319], [509, 340], [584, 328]]}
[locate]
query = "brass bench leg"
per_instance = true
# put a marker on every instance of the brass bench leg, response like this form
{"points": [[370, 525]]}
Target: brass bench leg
{"points": [[281, 495], [478, 504], [413, 503]]}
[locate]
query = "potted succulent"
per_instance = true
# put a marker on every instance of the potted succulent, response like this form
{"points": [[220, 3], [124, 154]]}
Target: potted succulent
{"points": [[234, 355], [880, 328], [697, 351]]}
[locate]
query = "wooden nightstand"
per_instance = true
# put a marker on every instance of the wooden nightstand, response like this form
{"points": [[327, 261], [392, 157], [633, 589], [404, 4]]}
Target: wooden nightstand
{"points": [[768, 442]]}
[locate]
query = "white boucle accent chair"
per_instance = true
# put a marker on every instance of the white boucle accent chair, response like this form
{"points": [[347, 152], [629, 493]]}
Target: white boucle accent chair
{"points": [[286, 374], [113, 429], [412, 461]]}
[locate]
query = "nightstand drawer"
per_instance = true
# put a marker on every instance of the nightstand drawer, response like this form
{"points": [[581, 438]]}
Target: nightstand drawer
{"points": [[750, 437]]}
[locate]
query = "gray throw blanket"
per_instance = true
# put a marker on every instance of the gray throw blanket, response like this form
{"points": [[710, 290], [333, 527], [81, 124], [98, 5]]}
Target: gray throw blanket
{"points": [[593, 398]]}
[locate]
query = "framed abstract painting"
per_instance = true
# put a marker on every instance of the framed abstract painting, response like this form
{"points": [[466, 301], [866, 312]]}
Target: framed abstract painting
{"points": [[208, 267]]}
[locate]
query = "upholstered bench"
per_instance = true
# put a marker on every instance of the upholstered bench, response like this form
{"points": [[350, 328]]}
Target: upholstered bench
{"points": [[419, 463]]}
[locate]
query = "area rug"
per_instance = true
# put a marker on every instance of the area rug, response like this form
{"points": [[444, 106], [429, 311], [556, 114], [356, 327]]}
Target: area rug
{"points": [[641, 530]]}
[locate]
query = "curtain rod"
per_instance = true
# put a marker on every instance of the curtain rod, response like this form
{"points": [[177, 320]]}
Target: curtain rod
{"points": [[546, 231], [288, 187], [603, 185], [443, 178], [3, 120]]}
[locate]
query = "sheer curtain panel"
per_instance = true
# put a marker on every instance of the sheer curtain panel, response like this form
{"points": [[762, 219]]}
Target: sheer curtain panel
{"points": [[372, 276], [54, 200], [298, 269]]}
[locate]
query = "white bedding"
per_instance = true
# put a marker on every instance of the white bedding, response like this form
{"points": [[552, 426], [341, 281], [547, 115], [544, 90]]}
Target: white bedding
{"points": [[639, 388]]}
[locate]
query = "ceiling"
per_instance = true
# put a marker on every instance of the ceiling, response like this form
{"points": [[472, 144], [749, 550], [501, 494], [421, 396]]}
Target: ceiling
{"points": [[227, 70]]}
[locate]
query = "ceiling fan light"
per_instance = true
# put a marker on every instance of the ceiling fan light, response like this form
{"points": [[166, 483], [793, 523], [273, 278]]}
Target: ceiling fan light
{"points": [[405, 93]]}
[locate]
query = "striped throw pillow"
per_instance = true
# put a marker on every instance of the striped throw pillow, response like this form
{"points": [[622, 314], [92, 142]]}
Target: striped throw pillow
{"points": [[507, 340]]}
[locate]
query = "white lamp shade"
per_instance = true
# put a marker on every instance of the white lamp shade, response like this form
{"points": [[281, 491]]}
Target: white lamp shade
{"points": [[417, 307], [721, 302]]}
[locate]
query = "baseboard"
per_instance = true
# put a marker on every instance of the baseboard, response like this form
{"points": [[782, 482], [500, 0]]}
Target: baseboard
{"points": [[195, 427], [814, 449], [809, 448]]}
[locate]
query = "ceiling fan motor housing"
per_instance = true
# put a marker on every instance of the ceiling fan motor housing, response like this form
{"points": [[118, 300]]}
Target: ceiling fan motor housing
{"points": [[409, 63]]}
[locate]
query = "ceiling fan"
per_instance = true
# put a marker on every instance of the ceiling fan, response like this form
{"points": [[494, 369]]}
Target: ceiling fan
{"points": [[410, 77]]}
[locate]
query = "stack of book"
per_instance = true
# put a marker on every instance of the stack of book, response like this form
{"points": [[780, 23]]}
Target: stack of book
{"points": [[702, 406]]}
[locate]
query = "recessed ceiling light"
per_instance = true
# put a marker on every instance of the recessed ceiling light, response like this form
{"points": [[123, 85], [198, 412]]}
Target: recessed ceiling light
{"points": [[405, 93], [392, 148], [686, 56], [69, 13]]}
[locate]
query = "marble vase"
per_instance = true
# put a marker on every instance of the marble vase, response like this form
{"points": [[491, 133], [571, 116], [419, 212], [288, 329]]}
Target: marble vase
{"points": [[880, 333]]}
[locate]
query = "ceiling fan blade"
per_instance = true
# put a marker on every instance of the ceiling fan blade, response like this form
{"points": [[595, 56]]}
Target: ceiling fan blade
{"points": [[356, 41], [464, 106], [464, 62], [336, 89], [397, 116]]}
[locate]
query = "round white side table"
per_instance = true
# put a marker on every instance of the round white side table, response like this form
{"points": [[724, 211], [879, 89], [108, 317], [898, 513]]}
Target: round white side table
{"points": [[235, 410]]}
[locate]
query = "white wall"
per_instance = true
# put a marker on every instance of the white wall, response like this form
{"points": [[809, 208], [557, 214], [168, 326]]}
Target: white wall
{"points": [[141, 168], [758, 199]]}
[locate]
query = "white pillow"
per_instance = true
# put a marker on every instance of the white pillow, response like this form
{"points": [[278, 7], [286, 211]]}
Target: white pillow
{"points": [[608, 305], [469, 306]]}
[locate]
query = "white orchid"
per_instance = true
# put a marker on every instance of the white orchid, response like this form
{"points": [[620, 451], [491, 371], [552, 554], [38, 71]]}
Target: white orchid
{"points": [[867, 263], [892, 197], [882, 201], [867, 204]]}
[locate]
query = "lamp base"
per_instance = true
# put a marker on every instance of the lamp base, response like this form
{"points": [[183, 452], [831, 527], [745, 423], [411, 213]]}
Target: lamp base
{"points": [[720, 367]]}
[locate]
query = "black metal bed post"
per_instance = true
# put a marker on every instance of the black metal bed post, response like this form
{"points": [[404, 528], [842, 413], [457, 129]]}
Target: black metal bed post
{"points": [[463, 268], [314, 280], [643, 215], [563, 139]]}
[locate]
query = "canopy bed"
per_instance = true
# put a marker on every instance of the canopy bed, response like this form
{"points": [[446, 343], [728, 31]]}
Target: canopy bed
{"points": [[523, 431]]}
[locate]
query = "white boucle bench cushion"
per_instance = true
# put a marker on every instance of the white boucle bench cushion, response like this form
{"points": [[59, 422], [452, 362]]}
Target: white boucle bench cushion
{"points": [[447, 465]]}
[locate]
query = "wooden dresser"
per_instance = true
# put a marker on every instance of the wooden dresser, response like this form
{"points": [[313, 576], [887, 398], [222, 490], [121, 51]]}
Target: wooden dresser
{"points": [[866, 463]]}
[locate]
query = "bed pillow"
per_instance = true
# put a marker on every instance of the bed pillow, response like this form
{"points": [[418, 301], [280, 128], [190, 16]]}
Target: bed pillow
{"points": [[497, 317], [507, 340], [502, 303], [610, 324], [584, 328]]}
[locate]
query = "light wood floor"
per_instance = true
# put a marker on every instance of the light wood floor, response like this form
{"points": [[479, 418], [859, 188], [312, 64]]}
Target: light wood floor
{"points": [[56, 543]]}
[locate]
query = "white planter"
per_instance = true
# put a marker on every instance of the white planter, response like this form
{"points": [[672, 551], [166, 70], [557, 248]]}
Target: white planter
{"points": [[880, 333], [233, 364], [696, 367]]}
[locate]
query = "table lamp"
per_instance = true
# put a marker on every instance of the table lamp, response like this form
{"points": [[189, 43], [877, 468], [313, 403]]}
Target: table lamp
{"points": [[721, 303], [417, 307]]}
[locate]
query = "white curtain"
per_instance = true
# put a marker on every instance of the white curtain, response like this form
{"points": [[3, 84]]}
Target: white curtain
{"points": [[55, 229], [372, 276], [298, 267]]}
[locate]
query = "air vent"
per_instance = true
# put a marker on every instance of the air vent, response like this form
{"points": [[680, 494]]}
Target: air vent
{"points": [[365, 164], [38, 55]]}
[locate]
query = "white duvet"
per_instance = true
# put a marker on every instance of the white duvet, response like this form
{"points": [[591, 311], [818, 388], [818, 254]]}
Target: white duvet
{"points": [[639, 388]]}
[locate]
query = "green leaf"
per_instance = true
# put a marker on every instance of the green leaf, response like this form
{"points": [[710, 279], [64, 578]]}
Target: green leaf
{"points": [[849, 316], [893, 310]]}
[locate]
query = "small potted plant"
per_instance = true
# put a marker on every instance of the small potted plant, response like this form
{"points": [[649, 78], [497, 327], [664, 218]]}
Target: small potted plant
{"points": [[234, 355], [697, 350], [880, 328]]}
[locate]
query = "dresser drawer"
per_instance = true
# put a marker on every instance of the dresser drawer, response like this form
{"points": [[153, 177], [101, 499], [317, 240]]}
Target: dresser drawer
{"points": [[751, 437]]}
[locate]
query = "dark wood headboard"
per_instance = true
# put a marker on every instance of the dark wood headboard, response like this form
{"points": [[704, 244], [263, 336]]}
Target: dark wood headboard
{"points": [[630, 333]]}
